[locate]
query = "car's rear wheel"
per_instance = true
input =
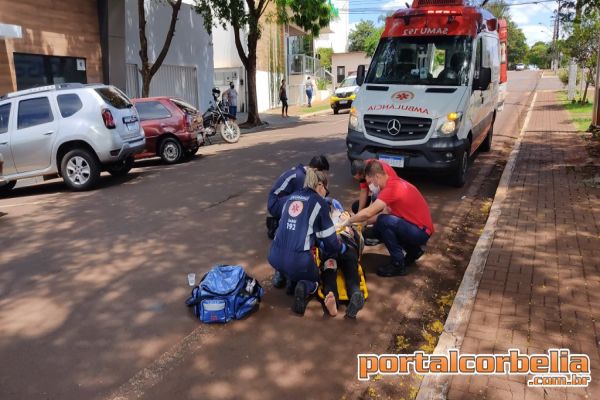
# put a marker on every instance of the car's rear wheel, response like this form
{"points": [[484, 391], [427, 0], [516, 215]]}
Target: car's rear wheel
{"points": [[170, 151], [80, 169], [6, 187], [122, 168]]}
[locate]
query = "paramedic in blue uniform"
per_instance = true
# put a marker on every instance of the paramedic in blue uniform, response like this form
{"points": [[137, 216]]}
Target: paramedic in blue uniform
{"points": [[305, 224], [289, 182]]}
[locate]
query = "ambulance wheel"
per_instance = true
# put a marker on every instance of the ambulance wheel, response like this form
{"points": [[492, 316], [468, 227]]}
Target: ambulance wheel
{"points": [[459, 176], [487, 143]]}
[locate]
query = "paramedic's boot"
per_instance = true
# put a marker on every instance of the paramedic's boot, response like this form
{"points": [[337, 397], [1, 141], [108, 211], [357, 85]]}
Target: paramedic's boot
{"points": [[412, 257], [278, 280], [303, 291], [357, 301], [394, 268], [370, 236]]}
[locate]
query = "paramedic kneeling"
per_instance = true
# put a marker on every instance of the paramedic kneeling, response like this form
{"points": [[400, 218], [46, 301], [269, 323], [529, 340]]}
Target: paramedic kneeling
{"points": [[402, 219], [304, 220]]}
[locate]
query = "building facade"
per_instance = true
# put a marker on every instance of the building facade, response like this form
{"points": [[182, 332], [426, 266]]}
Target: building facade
{"points": [[336, 35], [344, 65], [59, 42]]}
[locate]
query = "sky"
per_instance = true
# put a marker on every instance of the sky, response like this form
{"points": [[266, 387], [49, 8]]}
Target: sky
{"points": [[528, 17]]}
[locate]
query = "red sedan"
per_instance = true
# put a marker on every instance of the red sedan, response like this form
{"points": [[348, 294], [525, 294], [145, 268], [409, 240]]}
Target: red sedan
{"points": [[173, 128]]}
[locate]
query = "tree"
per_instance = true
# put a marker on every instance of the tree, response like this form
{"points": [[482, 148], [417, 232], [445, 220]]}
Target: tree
{"points": [[499, 8], [517, 45], [540, 54], [583, 46], [148, 69], [325, 54], [310, 15], [359, 36], [372, 42]]}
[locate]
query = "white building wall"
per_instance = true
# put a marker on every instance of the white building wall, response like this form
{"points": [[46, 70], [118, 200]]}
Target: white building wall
{"points": [[338, 39], [349, 62], [191, 46]]}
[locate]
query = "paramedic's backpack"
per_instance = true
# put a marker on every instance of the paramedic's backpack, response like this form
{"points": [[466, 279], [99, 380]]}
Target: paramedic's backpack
{"points": [[225, 293]]}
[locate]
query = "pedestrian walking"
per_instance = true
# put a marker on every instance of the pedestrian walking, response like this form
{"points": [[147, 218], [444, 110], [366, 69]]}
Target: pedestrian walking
{"points": [[284, 99], [231, 95], [309, 90]]}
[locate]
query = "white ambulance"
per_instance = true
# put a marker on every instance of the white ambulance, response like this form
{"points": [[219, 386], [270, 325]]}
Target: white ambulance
{"points": [[431, 94]]}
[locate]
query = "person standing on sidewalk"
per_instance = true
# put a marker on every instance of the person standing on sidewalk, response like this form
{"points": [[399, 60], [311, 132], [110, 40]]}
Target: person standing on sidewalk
{"points": [[284, 99], [231, 95], [402, 218], [309, 90]]}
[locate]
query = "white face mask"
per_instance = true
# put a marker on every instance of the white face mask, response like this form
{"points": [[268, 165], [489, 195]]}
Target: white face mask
{"points": [[374, 188]]}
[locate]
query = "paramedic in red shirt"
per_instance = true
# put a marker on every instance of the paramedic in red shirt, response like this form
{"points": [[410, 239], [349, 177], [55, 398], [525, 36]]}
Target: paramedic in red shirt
{"points": [[402, 219], [357, 168]]}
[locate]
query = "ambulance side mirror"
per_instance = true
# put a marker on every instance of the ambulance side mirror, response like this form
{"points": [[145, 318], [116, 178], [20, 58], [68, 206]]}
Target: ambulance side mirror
{"points": [[360, 75], [484, 79]]}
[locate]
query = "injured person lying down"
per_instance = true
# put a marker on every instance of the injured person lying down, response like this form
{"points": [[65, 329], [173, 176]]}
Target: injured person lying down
{"points": [[342, 277]]}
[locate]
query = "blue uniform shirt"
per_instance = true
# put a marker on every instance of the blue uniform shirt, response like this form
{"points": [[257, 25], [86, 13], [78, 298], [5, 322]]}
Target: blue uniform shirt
{"points": [[304, 221], [288, 183]]}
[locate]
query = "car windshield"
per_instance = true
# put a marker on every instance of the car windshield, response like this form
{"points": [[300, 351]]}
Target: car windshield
{"points": [[431, 60], [348, 82]]}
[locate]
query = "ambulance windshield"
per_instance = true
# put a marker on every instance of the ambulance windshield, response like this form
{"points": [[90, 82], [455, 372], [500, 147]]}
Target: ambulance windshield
{"points": [[423, 60]]}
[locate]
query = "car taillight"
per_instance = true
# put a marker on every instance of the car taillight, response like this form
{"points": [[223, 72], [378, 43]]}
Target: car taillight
{"points": [[188, 122], [109, 121]]}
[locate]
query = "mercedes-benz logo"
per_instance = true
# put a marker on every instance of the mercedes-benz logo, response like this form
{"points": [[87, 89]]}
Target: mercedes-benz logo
{"points": [[393, 127]]}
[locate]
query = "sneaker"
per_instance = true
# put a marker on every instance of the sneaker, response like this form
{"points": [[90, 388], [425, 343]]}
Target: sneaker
{"points": [[372, 242], [357, 301], [278, 280], [370, 237], [299, 305], [392, 269], [411, 258]]}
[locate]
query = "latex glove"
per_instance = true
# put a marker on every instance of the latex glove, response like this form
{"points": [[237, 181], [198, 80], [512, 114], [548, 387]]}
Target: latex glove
{"points": [[344, 248], [337, 205]]}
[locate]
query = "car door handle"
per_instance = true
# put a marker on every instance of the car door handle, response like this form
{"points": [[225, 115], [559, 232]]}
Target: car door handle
{"points": [[48, 133]]}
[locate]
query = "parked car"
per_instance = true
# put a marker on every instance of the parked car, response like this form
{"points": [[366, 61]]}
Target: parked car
{"points": [[533, 67], [344, 95], [520, 67], [173, 128], [72, 130]]}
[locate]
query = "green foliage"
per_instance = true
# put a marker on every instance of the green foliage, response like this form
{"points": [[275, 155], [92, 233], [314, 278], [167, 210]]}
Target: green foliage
{"points": [[325, 57], [358, 36], [372, 42], [499, 8], [540, 54], [517, 45], [583, 46], [322, 84]]}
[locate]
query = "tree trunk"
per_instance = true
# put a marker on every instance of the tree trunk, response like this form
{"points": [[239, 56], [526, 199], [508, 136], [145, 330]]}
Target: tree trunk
{"points": [[253, 115], [588, 79], [146, 79]]}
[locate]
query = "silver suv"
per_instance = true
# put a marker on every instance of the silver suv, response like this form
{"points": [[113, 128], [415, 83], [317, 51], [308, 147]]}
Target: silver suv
{"points": [[72, 130]]}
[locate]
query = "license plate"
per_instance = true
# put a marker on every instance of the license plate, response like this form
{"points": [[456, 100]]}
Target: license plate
{"points": [[342, 102], [393, 161], [133, 127]]}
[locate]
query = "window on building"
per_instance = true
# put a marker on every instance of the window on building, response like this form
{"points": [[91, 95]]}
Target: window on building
{"points": [[4, 116], [34, 70], [69, 104], [34, 112], [152, 110]]}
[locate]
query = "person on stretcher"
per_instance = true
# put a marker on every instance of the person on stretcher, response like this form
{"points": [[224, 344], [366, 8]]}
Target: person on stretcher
{"points": [[347, 262]]}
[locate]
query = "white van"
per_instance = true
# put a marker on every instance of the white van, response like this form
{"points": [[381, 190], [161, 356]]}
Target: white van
{"points": [[430, 97]]}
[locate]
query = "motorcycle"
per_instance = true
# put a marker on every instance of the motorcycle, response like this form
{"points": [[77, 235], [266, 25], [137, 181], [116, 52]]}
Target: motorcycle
{"points": [[217, 119]]}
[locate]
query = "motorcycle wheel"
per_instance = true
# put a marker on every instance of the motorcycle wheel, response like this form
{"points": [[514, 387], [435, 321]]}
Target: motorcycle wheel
{"points": [[230, 131]]}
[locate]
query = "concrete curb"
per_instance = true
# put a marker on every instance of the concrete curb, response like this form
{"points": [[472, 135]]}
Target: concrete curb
{"points": [[435, 387]]}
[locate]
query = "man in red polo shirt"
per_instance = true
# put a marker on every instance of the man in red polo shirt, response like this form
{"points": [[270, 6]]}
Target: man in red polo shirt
{"points": [[403, 222], [357, 168]]}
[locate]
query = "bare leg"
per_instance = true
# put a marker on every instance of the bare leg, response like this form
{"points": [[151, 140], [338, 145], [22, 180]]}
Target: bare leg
{"points": [[330, 304]]}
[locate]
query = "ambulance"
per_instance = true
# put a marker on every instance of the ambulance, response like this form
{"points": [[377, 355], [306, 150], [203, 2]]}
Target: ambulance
{"points": [[432, 92]]}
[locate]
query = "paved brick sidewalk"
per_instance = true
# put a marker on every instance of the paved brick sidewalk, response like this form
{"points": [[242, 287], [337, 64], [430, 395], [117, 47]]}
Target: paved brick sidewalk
{"points": [[541, 284]]}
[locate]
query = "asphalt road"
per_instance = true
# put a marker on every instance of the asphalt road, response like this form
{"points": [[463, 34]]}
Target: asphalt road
{"points": [[92, 284]]}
